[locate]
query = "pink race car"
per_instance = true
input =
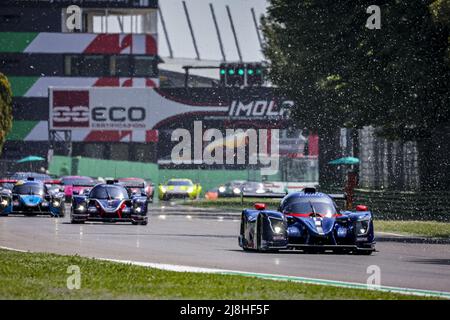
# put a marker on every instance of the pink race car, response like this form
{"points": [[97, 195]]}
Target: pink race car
{"points": [[77, 184]]}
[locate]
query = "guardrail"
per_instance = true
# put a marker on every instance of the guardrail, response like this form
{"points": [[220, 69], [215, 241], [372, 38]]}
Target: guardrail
{"points": [[406, 205]]}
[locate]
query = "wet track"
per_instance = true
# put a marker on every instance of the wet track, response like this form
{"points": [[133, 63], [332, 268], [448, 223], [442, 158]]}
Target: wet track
{"points": [[173, 237]]}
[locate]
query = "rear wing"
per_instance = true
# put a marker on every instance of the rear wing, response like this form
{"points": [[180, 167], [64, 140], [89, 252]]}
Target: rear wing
{"points": [[271, 195], [134, 186], [338, 196], [86, 185], [131, 185], [53, 182], [8, 181], [267, 195]]}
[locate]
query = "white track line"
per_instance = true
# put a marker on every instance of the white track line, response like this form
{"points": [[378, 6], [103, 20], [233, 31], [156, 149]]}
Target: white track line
{"points": [[277, 277]]}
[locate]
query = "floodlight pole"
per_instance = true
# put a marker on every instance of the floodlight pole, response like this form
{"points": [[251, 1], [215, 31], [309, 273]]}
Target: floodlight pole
{"points": [[163, 23], [191, 29], [219, 38], [234, 33]]}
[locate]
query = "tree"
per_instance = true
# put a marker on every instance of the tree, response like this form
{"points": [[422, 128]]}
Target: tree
{"points": [[315, 54], [5, 109], [342, 74]]}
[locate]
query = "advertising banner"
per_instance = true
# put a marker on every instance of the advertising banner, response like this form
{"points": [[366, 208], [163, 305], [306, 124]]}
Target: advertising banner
{"points": [[146, 115], [108, 113]]}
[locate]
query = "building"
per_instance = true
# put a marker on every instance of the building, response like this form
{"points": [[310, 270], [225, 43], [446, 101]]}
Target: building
{"points": [[53, 66], [115, 46]]}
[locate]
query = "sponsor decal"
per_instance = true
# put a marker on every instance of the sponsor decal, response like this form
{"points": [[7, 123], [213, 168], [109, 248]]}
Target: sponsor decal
{"points": [[119, 117], [260, 109], [70, 109]]}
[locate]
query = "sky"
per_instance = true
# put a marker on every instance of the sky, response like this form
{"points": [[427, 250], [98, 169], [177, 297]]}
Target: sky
{"points": [[205, 32]]}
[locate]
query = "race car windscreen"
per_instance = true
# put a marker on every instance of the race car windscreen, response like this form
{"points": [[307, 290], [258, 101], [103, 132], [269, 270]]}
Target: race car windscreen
{"points": [[311, 205], [29, 189], [77, 181], [109, 193], [179, 183], [132, 182]]}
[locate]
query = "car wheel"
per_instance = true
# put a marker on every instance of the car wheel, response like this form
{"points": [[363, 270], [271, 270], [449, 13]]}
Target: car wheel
{"points": [[62, 212], [258, 234], [312, 250], [363, 252]]}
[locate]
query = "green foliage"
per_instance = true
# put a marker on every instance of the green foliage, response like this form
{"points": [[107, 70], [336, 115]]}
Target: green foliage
{"points": [[342, 74], [5, 109], [441, 14]]}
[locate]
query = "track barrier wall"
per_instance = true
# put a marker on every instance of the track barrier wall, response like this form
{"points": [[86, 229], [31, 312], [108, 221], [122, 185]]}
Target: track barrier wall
{"points": [[207, 178]]}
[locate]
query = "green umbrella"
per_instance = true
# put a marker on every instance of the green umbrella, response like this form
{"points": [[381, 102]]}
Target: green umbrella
{"points": [[30, 159], [345, 160]]}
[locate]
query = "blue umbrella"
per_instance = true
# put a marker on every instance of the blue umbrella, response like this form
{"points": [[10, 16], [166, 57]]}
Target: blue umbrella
{"points": [[345, 160], [30, 159]]}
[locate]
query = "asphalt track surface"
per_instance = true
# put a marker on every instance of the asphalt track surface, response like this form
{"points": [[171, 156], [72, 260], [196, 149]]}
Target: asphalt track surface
{"points": [[174, 236]]}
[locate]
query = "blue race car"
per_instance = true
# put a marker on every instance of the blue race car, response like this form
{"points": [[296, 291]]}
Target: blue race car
{"points": [[31, 197], [309, 221], [110, 202]]}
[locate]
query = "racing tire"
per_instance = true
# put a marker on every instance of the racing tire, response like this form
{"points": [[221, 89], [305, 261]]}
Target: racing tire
{"points": [[62, 213], [363, 252], [313, 251], [259, 237], [137, 223], [30, 214]]}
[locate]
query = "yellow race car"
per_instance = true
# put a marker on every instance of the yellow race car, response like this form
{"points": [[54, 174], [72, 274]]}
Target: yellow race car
{"points": [[179, 188]]}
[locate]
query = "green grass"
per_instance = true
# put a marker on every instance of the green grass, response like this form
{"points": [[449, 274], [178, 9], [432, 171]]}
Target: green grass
{"points": [[420, 228], [44, 276], [232, 203]]}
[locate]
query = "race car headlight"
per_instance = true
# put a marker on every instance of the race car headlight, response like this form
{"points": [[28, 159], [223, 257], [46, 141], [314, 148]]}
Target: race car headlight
{"points": [[277, 226], [138, 209], [222, 189], [56, 203], [362, 226], [190, 189], [81, 208], [163, 189], [44, 203], [4, 202], [236, 190]]}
